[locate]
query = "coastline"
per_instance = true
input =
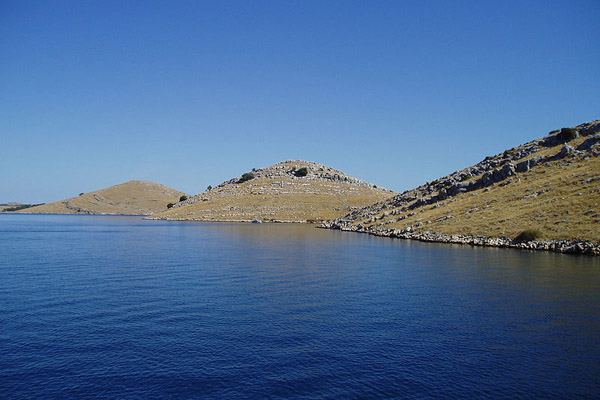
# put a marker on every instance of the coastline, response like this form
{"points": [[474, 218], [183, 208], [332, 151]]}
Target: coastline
{"points": [[576, 247], [266, 221]]}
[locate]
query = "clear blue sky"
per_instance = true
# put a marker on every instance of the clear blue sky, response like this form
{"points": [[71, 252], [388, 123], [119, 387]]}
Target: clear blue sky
{"points": [[191, 93]]}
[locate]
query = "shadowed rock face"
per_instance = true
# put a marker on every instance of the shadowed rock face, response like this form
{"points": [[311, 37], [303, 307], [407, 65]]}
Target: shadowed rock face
{"points": [[290, 191], [567, 152], [130, 198]]}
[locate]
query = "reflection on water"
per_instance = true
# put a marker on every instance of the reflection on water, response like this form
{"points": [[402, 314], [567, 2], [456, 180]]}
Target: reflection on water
{"points": [[126, 308]]}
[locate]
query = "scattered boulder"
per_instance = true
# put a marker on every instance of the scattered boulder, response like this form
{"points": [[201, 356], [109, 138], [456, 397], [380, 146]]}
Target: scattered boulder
{"points": [[566, 151]]}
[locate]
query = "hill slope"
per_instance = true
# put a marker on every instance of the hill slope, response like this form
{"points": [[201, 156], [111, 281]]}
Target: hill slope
{"points": [[550, 185], [291, 191], [130, 198]]}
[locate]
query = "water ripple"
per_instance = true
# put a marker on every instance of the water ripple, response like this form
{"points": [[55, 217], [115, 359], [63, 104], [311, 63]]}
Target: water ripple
{"points": [[126, 308]]}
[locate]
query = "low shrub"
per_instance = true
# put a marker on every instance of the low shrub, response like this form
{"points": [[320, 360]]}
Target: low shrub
{"points": [[527, 236], [246, 177], [170, 205], [183, 198], [567, 134], [301, 172], [21, 207]]}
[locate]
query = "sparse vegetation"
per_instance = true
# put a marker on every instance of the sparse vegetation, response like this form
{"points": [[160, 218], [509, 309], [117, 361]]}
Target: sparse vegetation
{"points": [[527, 236], [246, 177], [183, 198], [300, 172], [170, 205]]}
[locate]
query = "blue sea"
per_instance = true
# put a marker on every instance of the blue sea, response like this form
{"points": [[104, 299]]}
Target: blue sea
{"points": [[98, 307]]}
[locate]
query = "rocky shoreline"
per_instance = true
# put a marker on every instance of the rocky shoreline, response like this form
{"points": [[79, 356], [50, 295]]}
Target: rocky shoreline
{"points": [[557, 246]]}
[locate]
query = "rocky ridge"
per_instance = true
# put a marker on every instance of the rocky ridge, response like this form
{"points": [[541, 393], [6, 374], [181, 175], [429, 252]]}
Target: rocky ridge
{"points": [[314, 171], [318, 174], [503, 169]]}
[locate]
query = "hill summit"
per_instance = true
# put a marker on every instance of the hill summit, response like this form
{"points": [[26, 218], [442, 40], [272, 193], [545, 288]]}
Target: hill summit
{"points": [[129, 198], [544, 194], [290, 191]]}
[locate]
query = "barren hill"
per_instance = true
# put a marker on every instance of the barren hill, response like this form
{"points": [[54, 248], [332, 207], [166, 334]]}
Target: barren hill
{"points": [[291, 191], [130, 198], [548, 188]]}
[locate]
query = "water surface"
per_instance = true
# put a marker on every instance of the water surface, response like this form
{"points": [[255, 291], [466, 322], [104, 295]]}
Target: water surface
{"points": [[119, 307]]}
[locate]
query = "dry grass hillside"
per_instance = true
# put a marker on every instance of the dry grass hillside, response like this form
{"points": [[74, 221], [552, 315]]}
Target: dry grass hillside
{"points": [[291, 191], [130, 198], [550, 185]]}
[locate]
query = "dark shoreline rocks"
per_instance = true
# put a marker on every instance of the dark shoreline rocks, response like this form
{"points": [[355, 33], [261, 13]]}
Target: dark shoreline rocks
{"points": [[557, 246]]}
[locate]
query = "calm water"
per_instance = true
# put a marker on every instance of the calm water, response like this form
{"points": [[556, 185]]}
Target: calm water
{"points": [[119, 307]]}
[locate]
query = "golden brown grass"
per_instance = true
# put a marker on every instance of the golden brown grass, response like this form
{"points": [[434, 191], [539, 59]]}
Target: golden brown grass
{"points": [[130, 198], [552, 199], [279, 199]]}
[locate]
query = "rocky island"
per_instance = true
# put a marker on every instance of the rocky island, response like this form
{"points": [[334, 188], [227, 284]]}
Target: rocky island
{"points": [[290, 191]]}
